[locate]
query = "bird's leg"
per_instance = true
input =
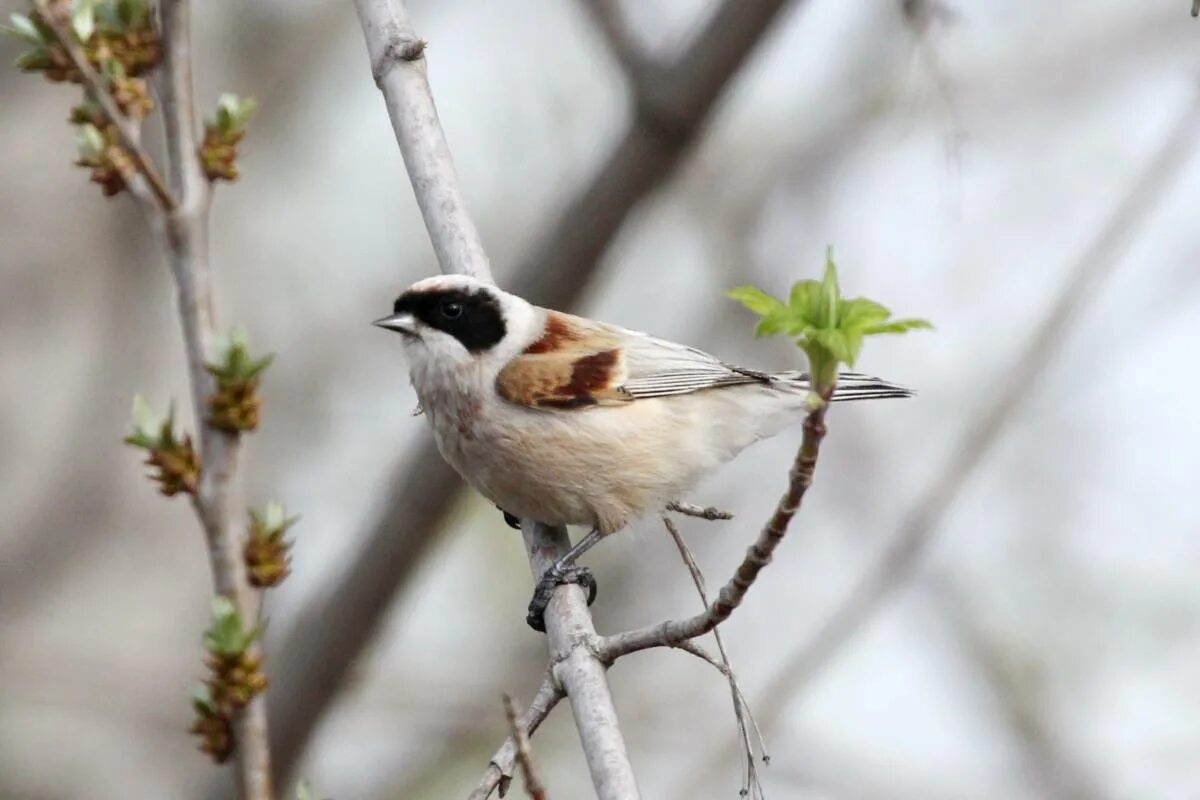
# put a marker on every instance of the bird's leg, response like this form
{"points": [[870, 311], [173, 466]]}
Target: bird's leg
{"points": [[562, 572]]}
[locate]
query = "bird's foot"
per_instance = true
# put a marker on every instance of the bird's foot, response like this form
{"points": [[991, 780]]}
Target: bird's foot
{"points": [[558, 575]]}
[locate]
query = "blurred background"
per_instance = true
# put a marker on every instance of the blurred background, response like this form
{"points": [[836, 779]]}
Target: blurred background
{"points": [[1034, 634]]}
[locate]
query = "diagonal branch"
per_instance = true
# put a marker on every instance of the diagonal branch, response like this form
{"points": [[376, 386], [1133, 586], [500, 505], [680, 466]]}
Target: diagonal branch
{"points": [[670, 633], [398, 64], [339, 622], [500, 770], [153, 192], [533, 784]]}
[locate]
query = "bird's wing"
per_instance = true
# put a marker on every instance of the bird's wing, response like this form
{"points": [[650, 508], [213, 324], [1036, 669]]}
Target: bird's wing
{"points": [[580, 363]]}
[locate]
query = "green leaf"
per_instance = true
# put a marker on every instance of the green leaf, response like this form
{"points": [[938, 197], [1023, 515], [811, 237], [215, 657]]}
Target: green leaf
{"points": [[899, 326], [202, 700], [24, 29], [804, 301], [757, 300], [859, 312], [826, 315], [233, 112], [32, 60], [89, 141], [83, 18]]}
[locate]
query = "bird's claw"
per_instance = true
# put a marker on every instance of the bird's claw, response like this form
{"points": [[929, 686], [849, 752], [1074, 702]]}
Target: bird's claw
{"points": [[511, 520], [557, 575]]}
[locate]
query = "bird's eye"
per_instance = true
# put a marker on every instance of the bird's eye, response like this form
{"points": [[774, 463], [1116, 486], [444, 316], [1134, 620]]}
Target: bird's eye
{"points": [[451, 309]]}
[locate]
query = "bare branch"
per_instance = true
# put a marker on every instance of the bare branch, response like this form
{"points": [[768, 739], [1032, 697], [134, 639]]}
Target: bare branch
{"points": [[741, 711], [153, 192], [670, 632], [1196, 8], [500, 769], [398, 64], [333, 628], [533, 785], [689, 510], [218, 500]]}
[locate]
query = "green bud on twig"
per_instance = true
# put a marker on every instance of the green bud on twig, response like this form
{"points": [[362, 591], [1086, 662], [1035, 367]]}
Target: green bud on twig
{"points": [[176, 463], [218, 151], [829, 328], [266, 550], [235, 405]]}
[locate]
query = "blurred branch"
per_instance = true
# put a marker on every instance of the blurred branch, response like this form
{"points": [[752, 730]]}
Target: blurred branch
{"points": [[1196, 8], [1016, 689], [533, 785], [1085, 278], [152, 192], [610, 19], [336, 625]]}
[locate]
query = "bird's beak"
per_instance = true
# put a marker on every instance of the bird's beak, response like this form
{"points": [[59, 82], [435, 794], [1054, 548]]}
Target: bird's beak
{"points": [[401, 323]]}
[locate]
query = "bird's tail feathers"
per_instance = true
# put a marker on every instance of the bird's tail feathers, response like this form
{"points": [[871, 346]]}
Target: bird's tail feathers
{"points": [[850, 386]]}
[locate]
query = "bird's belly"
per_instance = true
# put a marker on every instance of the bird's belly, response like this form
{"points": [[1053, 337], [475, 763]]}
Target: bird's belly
{"points": [[586, 467]]}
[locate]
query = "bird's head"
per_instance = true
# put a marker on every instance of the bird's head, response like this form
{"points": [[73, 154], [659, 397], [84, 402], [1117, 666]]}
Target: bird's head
{"points": [[452, 320]]}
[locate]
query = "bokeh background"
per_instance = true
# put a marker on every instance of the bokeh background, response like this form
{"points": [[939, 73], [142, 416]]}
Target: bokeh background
{"points": [[1043, 636]]}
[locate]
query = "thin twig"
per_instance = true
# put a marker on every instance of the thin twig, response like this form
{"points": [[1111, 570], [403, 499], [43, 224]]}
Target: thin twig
{"points": [[333, 628], [500, 770], [740, 710], [218, 500], [702, 512], [1196, 8], [671, 632], [127, 130], [533, 784], [897, 561]]}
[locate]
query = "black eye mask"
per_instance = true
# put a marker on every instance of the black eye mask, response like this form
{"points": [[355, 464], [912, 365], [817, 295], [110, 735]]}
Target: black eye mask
{"points": [[474, 318]]}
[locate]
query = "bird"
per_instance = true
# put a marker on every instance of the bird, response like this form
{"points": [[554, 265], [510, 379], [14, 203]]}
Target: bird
{"points": [[566, 420]]}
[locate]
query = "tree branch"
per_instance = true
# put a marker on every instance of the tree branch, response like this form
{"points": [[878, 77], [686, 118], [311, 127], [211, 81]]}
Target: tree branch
{"points": [[399, 68], [670, 633], [741, 711], [218, 498], [153, 192], [333, 628], [533, 784], [500, 770]]}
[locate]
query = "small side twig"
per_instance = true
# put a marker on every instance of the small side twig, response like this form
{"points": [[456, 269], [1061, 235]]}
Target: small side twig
{"points": [[741, 710], [500, 770], [670, 632], [127, 132], [533, 784], [705, 512]]}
